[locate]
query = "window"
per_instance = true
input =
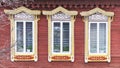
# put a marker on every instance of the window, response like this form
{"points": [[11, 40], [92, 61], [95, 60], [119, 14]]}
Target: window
{"points": [[97, 35], [23, 34], [61, 37], [60, 34]]}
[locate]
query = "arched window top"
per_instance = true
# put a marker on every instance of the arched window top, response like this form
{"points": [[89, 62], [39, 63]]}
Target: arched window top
{"points": [[60, 9], [23, 16], [22, 9], [96, 10]]}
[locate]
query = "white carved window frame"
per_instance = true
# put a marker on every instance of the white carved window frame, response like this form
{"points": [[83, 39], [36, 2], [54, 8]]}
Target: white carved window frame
{"points": [[27, 15], [67, 16], [106, 17]]}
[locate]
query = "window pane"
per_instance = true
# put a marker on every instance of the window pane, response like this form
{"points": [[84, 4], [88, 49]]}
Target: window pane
{"points": [[29, 39], [65, 37], [102, 38], [19, 36], [93, 38], [56, 37]]}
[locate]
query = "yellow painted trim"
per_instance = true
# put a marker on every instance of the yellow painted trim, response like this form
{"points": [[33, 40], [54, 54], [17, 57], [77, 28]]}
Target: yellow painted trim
{"points": [[11, 13], [59, 9], [95, 10], [12, 37], [22, 9], [72, 38], [86, 38], [85, 15], [49, 38], [109, 38], [36, 38], [49, 14]]}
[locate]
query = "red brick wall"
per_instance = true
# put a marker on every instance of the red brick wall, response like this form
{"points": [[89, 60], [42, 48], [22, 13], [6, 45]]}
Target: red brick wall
{"points": [[43, 45]]}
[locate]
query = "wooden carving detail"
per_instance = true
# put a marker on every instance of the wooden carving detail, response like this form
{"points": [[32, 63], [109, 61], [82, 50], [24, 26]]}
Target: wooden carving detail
{"points": [[97, 58], [24, 57], [98, 17], [60, 57], [23, 16], [61, 16]]}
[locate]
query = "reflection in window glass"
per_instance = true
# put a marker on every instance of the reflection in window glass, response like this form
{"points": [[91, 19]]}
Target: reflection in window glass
{"points": [[56, 37], [93, 37], [19, 36], [61, 37], [24, 35], [98, 37], [29, 39], [102, 38], [65, 37]]}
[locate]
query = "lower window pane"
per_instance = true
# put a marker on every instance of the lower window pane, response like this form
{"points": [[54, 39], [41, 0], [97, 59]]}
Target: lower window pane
{"points": [[102, 38], [19, 36], [29, 39], [56, 36], [93, 38], [65, 37]]}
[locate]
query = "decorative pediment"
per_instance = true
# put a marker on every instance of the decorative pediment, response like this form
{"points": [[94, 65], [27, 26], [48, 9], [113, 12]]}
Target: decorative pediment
{"points": [[60, 16], [60, 9], [23, 16], [22, 9], [96, 10], [98, 17]]}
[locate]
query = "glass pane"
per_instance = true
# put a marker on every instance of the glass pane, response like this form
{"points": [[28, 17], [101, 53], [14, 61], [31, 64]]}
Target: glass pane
{"points": [[56, 37], [65, 37], [93, 38], [29, 39], [19, 36], [102, 38]]}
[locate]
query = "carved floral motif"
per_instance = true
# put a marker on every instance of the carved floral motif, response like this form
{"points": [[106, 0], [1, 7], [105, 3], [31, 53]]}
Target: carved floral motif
{"points": [[60, 16], [61, 57], [23, 16], [24, 57], [98, 17], [97, 58]]}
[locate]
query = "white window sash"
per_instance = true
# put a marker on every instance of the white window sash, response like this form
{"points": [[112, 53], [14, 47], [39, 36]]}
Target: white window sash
{"points": [[61, 37], [24, 37], [98, 37]]}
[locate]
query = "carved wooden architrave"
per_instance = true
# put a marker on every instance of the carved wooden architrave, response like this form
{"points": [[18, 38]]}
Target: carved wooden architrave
{"points": [[26, 14], [51, 15], [107, 17]]}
